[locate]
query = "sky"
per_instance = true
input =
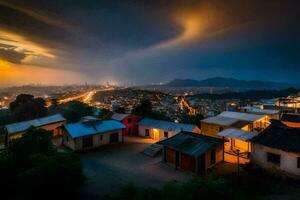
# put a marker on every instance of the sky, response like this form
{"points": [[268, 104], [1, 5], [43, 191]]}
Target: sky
{"points": [[147, 41]]}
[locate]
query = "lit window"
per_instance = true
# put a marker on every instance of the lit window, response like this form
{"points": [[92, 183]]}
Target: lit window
{"points": [[166, 134], [273, 158]]}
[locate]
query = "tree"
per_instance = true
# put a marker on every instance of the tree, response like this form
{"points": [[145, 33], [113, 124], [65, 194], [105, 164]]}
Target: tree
{"points": [[32, 166], [76, 110], [144, 109], [190, 119], [26, 107], [120, 110], [105, 114]]}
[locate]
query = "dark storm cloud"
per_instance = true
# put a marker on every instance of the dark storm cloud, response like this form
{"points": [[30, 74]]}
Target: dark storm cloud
{"points": [[153, 41], [11, 55]]}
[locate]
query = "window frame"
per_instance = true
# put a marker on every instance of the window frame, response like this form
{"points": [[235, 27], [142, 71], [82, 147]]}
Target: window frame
{"points": [[166, 133], [274, 158], [147, 132]]}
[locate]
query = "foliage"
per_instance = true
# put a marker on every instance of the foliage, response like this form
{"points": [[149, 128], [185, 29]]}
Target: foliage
{"points": [[190, 119], [26, 107], [33, 166], [144, 109], [105, 114], [197, 188], [120, 110], [5, 117], [75, 110], [251, 94]]}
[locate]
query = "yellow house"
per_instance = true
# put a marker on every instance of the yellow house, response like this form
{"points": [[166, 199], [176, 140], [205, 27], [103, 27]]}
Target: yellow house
{"points": [[237, 120], [159, 130], [238, 141]]}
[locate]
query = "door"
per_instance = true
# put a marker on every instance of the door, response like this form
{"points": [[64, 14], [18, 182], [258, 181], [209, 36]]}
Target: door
{"points": [[155, 134], [114, 137]]}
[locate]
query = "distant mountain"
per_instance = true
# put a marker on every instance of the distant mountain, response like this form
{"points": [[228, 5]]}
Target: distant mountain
{"points": [[229, 82]]}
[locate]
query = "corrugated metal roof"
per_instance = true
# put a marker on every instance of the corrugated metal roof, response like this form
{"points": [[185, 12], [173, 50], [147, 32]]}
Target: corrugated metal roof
{"points": [[224, 121], [280, 137], [237, 134], [242, 116], [119, 116], [80, 129], [165, 125], [261, 111], [23, 126], [191, 143]]}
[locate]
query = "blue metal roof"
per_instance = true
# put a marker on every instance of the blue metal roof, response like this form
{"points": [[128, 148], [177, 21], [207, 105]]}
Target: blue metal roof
{"points": [[23, 126], [165, 125], [80, 129]]}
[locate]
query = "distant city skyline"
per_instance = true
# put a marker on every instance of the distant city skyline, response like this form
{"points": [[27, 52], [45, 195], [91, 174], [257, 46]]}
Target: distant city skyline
{"points": [[145, 42]]}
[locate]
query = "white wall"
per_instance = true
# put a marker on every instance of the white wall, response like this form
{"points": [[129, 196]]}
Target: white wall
{"points": [[288, 161], [76, 144]]}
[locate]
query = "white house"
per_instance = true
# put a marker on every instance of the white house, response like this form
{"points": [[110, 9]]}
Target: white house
{"points": [[87, 135], [277, 149], [159, 130]]}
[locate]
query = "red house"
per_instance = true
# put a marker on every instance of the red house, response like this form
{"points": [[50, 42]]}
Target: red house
{"points": [[130, 122]]}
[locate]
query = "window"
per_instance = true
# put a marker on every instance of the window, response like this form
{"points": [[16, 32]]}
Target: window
{"points": [[221, 129], [273, 158], [147, 132], [166, 134], [101, 137], [129, 120], [87, 141], [212, 156], [298, 162], [67, 138]]}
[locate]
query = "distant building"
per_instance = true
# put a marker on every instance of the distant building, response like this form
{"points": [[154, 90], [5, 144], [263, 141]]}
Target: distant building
{"points": [[291, 120], [51, 123], [192, 152], [81, 136], [238, 120], [277, 149], [272, 113], [238, 142], [159, 130], [130, 122]]}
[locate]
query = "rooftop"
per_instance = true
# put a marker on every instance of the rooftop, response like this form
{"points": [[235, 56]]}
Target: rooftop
{"points": [[119, 116], [281, 137], [242, 116], [80, 129], [191, 143], [23, 126], [166, 125], [237, 134], [291, 118]]}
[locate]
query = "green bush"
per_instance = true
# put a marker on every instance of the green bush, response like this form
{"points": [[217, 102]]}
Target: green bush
{"points": [[33, 167]]}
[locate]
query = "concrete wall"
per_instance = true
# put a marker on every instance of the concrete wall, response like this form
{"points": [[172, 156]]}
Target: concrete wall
{"points": [[76, 143], [288, 161]]}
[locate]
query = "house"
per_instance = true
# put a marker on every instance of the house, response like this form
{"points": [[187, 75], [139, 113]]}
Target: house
{"points": [[272, 113], [86, 135], [130, 122], [160, 130], [237, 120], [51, 123], [238, 144], [193, 152], [291, 120], [277, 149]]}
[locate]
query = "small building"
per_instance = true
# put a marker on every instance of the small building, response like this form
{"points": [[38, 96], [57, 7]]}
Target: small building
{"points": [[193, 152], [277, 149], [81, 136], [130, 122], [159, 130], [259, 110], [237, 120], [291, 120], [51, 123], [238, 144]]}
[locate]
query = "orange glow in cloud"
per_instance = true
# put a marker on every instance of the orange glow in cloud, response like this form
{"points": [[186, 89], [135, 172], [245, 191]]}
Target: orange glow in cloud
{"points": [[13, 74], [22, 44]]}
